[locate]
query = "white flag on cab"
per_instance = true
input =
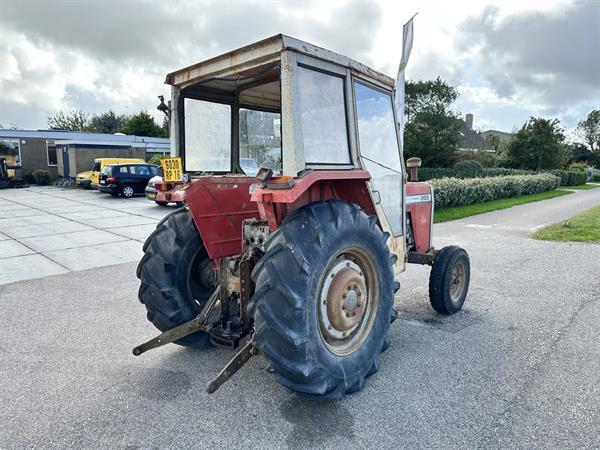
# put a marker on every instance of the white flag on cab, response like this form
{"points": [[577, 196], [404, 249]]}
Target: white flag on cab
{"points": [[407, 42]]}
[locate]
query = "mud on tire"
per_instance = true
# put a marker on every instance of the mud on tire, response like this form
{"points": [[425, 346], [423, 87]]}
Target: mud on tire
{"points": [[289, 279], [171, 283]]}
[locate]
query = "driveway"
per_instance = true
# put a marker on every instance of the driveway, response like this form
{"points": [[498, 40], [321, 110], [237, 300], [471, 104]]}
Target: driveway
{"points": [[48, 231], [518, 367]]}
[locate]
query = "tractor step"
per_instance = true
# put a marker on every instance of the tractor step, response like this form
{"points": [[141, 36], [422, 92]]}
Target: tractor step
{"points": [[179, 332]]}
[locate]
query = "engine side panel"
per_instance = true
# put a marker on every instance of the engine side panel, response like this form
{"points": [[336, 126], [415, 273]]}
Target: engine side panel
{"points": [[419, 205]]}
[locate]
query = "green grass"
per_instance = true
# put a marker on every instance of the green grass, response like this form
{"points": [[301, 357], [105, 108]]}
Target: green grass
{"points": [[584, 227], [582, 186], [459, 212]]}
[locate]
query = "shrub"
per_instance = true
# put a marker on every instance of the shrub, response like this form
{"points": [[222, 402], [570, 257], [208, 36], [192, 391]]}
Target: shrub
{"points": [[41, 177], [468, 169], [28, 177], [431, 173], [577, 177], [596, 177], [579, 166], [460, 192], [156, 159]]}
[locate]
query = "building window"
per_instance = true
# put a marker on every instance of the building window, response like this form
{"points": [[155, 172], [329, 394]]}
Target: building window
{"points": [[10, 150], [51, 152]]}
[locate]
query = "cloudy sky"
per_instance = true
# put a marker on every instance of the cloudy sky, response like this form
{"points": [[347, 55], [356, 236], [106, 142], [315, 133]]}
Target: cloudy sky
{"points": [[509, 59]]}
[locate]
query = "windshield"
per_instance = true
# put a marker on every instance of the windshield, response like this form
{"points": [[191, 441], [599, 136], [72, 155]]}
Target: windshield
{"points": [[260, 141], [207, 136]]}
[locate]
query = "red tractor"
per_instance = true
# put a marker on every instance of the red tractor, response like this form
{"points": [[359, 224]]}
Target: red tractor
{"points": [[298, 260]]}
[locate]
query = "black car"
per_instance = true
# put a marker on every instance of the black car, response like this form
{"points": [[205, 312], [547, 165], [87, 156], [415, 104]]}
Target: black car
{"points": [[126, 179]]}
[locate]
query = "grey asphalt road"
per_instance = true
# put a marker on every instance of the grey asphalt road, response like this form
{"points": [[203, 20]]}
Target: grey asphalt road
{"points": [[518, 367]]}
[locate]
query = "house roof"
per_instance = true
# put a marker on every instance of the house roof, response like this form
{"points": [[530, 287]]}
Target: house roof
{"points": [[80, 137], [472, 139]]}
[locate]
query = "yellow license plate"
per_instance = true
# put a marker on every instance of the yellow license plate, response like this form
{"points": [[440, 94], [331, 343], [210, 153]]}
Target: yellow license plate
{"points": [[172, 170]]}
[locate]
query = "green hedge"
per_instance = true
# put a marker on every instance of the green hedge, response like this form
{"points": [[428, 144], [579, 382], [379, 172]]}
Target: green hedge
{"points": [[570, 177], [464, 171], [450, 192], [42, 177], [432, 173], [596, 177]]}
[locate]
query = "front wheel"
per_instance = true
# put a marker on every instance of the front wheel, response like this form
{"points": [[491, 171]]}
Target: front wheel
{"points": [[449, 280], [323, 300]]}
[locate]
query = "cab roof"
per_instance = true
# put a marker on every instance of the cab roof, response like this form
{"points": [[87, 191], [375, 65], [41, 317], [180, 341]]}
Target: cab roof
{"points": [[263, 53]]}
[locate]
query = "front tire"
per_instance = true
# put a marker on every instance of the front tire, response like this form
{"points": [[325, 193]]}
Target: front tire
{"points": [[449, 280], [324, 298], [175, 274]]}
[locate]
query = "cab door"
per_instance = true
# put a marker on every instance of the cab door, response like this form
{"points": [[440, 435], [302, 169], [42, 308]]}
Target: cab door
{"points": [[379, 153]]}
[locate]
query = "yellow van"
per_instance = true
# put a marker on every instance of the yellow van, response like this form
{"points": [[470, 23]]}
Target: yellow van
{"points": [[99, 163]]}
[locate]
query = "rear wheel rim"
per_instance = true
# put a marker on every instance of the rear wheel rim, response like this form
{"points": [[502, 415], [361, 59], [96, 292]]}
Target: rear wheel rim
{"points": [[457, 281], [347, 301]]}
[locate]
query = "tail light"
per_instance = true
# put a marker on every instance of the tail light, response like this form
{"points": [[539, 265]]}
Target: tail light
{"points": [[111, 180], [161, 186]]}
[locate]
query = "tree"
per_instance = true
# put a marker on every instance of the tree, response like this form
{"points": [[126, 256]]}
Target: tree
{"points": [[142, 124], [589, 129], [577, 152], [493, 140], [538, 145], [432, 131], [74, 120], [108, 122]]}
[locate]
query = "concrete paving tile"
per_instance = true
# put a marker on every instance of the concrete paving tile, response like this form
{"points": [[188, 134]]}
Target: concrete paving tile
{"points": [[11, 208], [38, 219], [115, 222], [71, 209], [28, 267], [23, 211], [97, 213], [71, 240], [139, 232], [3, 237], [11, 248], [98, 255], [45, 229]]}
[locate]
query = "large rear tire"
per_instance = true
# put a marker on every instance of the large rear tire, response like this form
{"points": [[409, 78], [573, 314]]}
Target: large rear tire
{"points": [[175, 274], [324, 299]]}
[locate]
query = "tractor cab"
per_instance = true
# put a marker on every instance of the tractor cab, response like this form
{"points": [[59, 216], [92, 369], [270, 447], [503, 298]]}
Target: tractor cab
{"points": [[296, 222], [293, 108]]}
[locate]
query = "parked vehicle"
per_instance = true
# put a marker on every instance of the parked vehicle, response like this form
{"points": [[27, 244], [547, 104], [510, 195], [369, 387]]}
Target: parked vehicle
{"points": [[99, 163], [126, 179], [84, 179], [164, 193]]}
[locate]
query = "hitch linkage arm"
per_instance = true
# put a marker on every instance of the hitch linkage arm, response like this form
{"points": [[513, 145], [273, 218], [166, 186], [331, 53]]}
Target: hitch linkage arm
{"points": [[174, 334]]}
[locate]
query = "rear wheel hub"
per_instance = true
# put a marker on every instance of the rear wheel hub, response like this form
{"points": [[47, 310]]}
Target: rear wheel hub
{"points": [[347, 302]]}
